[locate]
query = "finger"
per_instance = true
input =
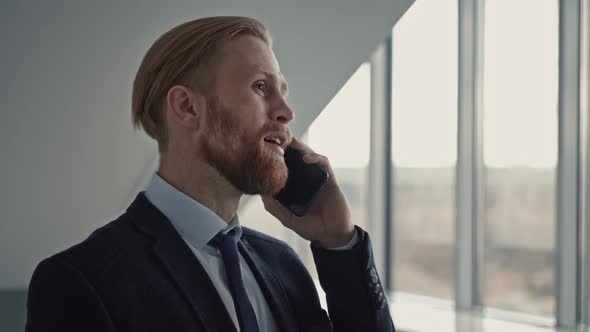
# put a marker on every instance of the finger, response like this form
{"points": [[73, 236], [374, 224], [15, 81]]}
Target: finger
{"points": [[308, 155], [315, 158], [298, 145]]}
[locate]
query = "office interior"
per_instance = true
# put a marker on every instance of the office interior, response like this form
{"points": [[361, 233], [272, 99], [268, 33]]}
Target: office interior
{"points": [[457, 129]]}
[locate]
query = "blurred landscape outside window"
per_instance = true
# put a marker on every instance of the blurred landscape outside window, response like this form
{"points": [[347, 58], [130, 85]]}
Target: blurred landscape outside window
{"points": [[424, 147], [520, 153]]}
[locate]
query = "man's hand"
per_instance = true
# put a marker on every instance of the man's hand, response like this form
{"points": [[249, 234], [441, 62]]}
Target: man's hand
{"points": [[328, 220]]}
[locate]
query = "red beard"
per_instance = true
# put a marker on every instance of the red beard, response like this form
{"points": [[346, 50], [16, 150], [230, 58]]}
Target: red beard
{"points": [[243, 159]]}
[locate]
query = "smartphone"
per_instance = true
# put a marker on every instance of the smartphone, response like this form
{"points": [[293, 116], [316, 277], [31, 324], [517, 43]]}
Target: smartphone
{"points": [[303, 183]]}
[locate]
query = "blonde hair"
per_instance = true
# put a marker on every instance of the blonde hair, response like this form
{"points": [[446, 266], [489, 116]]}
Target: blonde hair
{"points": [[174, 58]]}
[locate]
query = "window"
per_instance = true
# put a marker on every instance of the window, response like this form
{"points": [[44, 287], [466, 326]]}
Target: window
{"points": [[341, 132], [517, 219], [424, 147], [520, 153]]}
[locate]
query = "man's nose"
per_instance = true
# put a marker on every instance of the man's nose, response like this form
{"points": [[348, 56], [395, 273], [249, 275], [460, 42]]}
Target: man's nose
{"points": [[283, 113]]}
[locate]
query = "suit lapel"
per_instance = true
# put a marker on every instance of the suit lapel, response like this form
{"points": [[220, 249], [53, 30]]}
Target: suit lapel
{"points": [[182, 266], [271, 288]]}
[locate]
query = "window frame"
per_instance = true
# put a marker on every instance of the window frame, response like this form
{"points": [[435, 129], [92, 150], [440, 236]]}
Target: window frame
{"points": [[572, 267], [584, 269], [568, 166]]}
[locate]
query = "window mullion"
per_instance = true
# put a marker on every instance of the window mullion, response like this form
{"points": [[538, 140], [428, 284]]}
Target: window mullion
{"points": [[380, 200], [469, 156], [568, 175], [585, 164]]}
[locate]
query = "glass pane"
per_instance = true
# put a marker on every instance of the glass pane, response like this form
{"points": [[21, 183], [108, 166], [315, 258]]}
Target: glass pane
{"points": [[520, 153], [340, 132], [424, 147]]}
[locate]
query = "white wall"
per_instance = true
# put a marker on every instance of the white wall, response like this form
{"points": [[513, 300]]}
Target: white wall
{"points": [[70, 161]]}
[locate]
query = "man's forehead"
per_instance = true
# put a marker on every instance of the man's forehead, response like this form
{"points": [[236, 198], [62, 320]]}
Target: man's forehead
{"points": [[260, 69], [250, 53]]}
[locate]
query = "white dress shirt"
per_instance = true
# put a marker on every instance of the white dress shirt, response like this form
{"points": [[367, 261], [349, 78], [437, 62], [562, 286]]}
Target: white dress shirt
{"points": [[197, 225]]}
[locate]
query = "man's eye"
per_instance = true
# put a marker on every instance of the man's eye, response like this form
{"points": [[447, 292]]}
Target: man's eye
{"points": [[261, 86]]}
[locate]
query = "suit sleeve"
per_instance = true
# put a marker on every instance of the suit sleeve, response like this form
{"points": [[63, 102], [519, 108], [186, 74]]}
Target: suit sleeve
{"points": [[61, 299], [354, 294]]}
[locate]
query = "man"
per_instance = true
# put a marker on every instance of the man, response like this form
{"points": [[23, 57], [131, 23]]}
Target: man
{"points": [[211, 94]]}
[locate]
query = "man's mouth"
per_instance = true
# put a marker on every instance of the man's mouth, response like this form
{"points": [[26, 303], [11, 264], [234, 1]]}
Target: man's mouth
{"points": [[277, 142], [273, 140]]}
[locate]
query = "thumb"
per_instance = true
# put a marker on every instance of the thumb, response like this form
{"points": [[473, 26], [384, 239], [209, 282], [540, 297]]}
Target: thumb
{"points": [[278, 210]]}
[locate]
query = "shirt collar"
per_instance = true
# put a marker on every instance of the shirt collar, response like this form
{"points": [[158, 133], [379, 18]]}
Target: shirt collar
{"points": [[195, 223]]}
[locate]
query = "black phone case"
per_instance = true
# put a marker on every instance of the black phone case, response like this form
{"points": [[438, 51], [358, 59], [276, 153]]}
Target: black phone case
{"points": [[303, 183]]}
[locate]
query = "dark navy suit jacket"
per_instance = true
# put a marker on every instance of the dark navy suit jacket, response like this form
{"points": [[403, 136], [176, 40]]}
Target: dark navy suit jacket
{"points": [[137, 274]]}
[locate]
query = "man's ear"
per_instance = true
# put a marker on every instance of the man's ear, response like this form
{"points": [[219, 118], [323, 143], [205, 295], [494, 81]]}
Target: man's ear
{"points": [[183, 106]]}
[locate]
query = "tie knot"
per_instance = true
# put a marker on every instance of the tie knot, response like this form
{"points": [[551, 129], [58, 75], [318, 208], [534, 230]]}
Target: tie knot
{"points": [[220, 239]]}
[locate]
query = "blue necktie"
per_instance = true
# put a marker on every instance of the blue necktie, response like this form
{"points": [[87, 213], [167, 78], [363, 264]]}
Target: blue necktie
{"points": [[227, 244]]}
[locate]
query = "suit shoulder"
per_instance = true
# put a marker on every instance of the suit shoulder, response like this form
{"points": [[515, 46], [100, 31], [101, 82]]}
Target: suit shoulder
{"points": [[254, 236], [99, 250]]}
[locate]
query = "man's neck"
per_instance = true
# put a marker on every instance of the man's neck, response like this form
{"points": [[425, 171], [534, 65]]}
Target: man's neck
{"points": [[203, 183]]}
